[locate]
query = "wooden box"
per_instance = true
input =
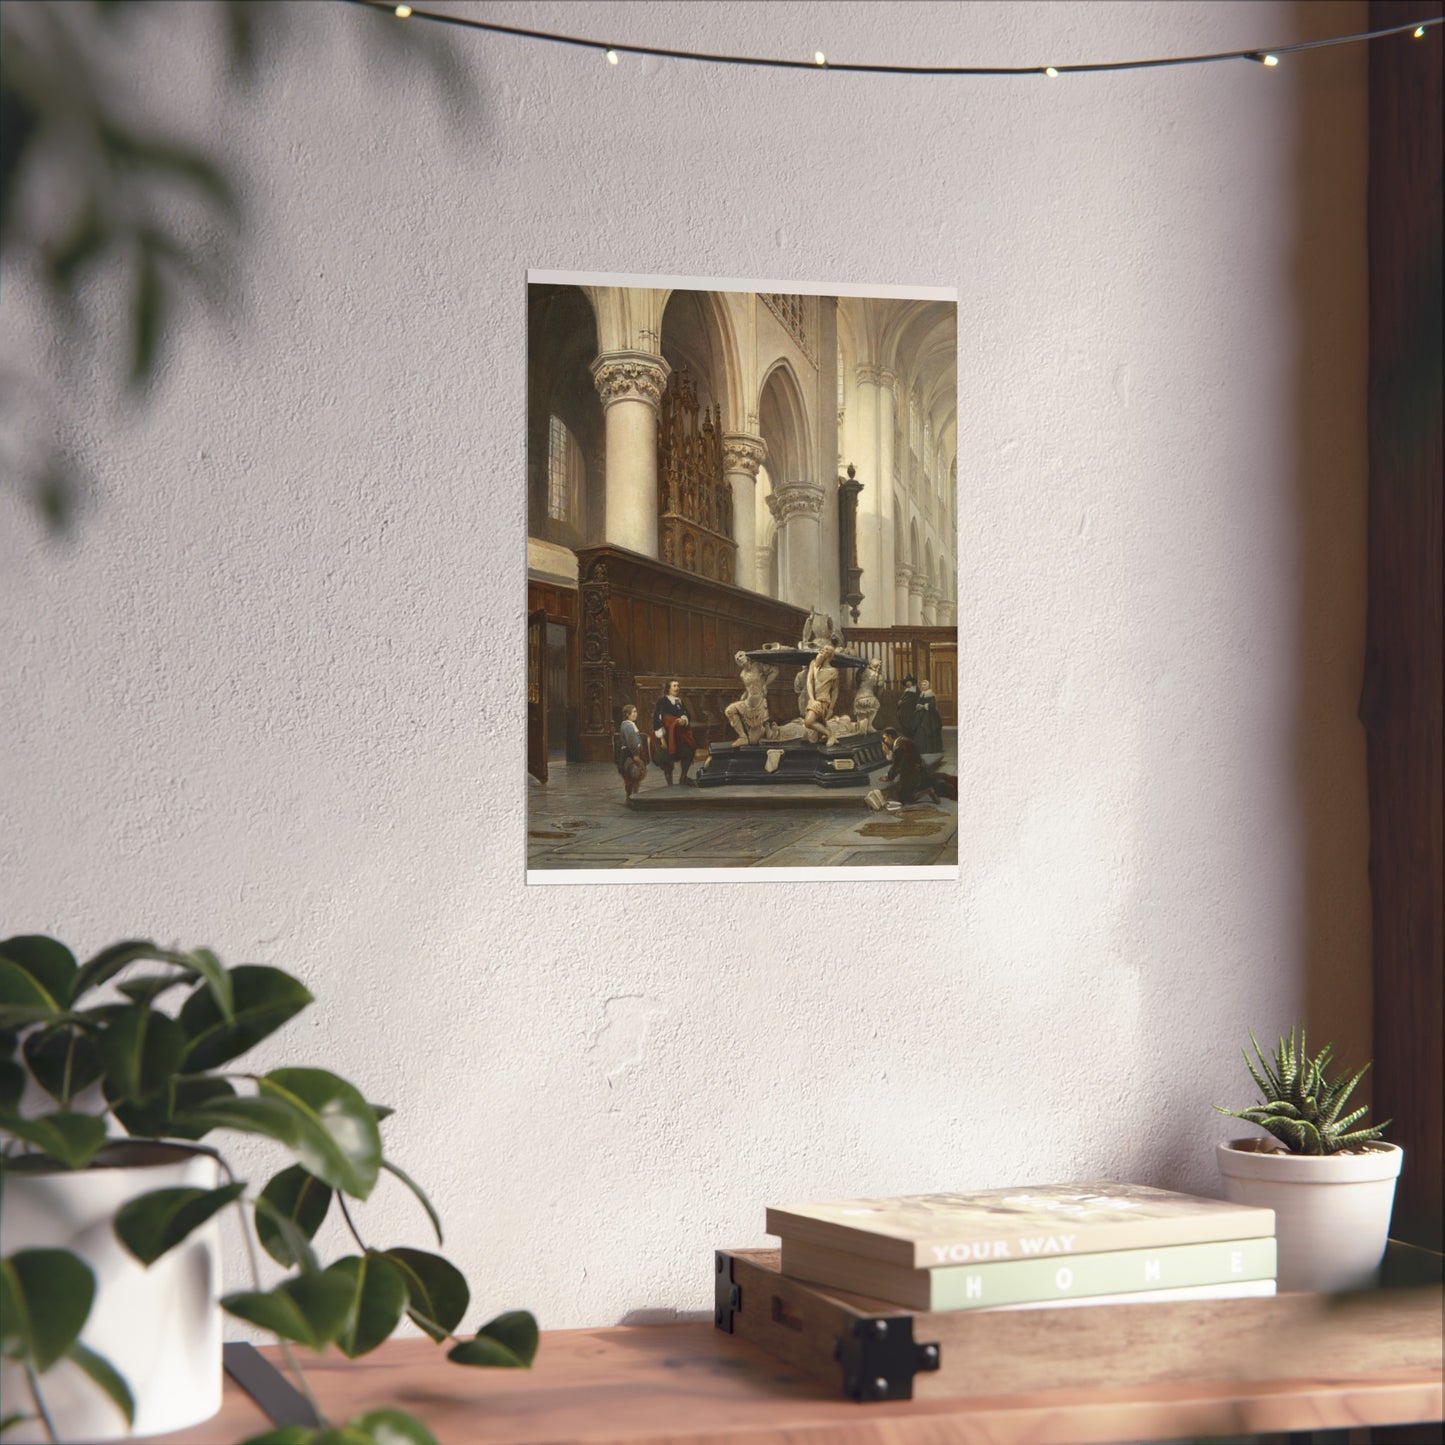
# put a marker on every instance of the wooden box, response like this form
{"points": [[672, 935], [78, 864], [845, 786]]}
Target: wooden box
{"points": [[871, 1350]]}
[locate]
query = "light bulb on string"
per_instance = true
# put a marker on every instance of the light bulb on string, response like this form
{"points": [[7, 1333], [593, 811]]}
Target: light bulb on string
{"points": [[1260, 57]]}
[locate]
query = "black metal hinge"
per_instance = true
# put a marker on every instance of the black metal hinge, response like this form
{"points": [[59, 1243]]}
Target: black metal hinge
{"points": [[880, 1358], [727, 1296]]}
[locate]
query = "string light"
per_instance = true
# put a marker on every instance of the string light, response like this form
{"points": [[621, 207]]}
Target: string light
{"points": [[612, 57], [1260, 56]]}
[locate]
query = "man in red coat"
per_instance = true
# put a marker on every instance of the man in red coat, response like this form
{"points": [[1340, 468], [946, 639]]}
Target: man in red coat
{"points": [[673, 730]]}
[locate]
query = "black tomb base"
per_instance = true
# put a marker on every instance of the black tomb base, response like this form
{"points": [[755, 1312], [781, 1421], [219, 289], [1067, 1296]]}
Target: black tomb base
{"points": [[846, 763]]}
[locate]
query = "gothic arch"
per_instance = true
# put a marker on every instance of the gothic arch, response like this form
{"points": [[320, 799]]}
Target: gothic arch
{"points": [[562, 342], [783, 424]]}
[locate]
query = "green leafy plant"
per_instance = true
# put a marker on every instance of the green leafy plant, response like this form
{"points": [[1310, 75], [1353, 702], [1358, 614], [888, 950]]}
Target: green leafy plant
{"points": [[171, 1075], [1302, 1108]]}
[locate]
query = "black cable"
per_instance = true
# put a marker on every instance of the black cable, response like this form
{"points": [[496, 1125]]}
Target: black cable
{"points": [[1257, 53]]}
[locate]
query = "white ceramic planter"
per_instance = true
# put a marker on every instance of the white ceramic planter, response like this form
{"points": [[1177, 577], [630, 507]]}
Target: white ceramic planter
{"points": [[1331, 1212], [160, 1327]]}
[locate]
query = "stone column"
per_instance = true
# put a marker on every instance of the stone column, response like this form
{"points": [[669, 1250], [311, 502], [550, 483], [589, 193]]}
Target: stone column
{"points": [[798, 511], [916, 587], [875, 505], [887, 404], [743, 453], [902, 576], [630, 384], [764, 566], [930, 607]]}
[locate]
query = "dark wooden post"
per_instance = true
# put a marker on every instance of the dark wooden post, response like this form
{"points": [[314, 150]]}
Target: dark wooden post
{"points": [[850, 574], [1400, 702]]}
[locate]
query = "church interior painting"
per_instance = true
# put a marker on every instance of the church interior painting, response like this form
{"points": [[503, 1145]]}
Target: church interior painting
{"points": [[742, 569]]}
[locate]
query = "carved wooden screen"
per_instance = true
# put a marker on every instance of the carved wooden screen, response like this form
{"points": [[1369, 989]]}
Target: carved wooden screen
{"points": [[537, 695], [695, 500]]}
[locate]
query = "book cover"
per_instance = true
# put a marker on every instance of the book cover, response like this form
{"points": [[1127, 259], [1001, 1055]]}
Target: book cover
{"points": [[925, 1231], [1031, 1281]]}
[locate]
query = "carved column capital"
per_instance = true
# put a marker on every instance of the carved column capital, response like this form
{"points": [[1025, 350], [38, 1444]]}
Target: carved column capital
{"points": [[743, 453], [801, 499], [902, 573], [917, 585], [868, 374], [630, 376]]}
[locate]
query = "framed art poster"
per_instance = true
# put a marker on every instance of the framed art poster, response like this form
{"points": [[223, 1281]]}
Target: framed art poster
{"points": [[742, 565]]}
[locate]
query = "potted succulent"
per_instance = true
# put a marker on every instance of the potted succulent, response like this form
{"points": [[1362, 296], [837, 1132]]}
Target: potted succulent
{"points": [[1331, 1185], [113, 1086]]}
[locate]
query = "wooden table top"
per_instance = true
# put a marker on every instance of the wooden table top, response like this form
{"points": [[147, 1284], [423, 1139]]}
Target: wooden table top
{"points": [[692, 1384]]}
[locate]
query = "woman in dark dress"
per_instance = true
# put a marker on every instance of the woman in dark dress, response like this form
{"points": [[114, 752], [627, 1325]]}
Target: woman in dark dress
{"points": [[908, 705], [927, 725]]}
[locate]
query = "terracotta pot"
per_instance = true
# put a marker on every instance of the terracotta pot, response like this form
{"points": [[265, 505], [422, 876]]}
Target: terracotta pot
{"points": [[160, 1327], [1331, 1211]]}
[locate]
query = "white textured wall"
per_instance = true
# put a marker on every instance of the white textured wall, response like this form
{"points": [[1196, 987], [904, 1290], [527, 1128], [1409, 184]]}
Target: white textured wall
{"points": [[269, 697]]}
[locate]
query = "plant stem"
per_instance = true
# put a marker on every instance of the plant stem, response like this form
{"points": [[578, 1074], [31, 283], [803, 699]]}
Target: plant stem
{"points": [[346, 1215], [39, 1403], [286, 1354], [69, 1069]]}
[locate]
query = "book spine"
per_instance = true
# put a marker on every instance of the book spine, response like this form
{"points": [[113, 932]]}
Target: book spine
{"points": [[1248, 1289], [1117, 1272]]}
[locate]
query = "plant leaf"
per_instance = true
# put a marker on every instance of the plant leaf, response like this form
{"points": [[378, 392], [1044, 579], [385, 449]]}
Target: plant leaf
{"points": [[378, 1296], [186, 1094], [73, 1139], [392, 1427], [109, 962], [507, 1342], [416, 1189], [104, 1374], [296, 1243], [340, 1143], [281, 1116], [141, 1051], [210, 968], [46, 1053], [298, 1197], [310, 1310], [148, 989], [23, 999], [12, 1086], [50, 964], [264, 998], [437, 1293], [45, 1299], [151, 1224]]}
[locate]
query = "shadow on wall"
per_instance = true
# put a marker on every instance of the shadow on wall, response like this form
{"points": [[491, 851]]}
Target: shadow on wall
{"points": [[1321, 903]]}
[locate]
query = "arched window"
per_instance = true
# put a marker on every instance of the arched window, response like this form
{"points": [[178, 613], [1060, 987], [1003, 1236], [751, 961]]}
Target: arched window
{"points": [[565, 473]]}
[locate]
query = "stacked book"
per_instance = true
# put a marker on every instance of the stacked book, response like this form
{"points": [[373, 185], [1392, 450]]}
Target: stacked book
{"points": [[1031, 1247]]}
